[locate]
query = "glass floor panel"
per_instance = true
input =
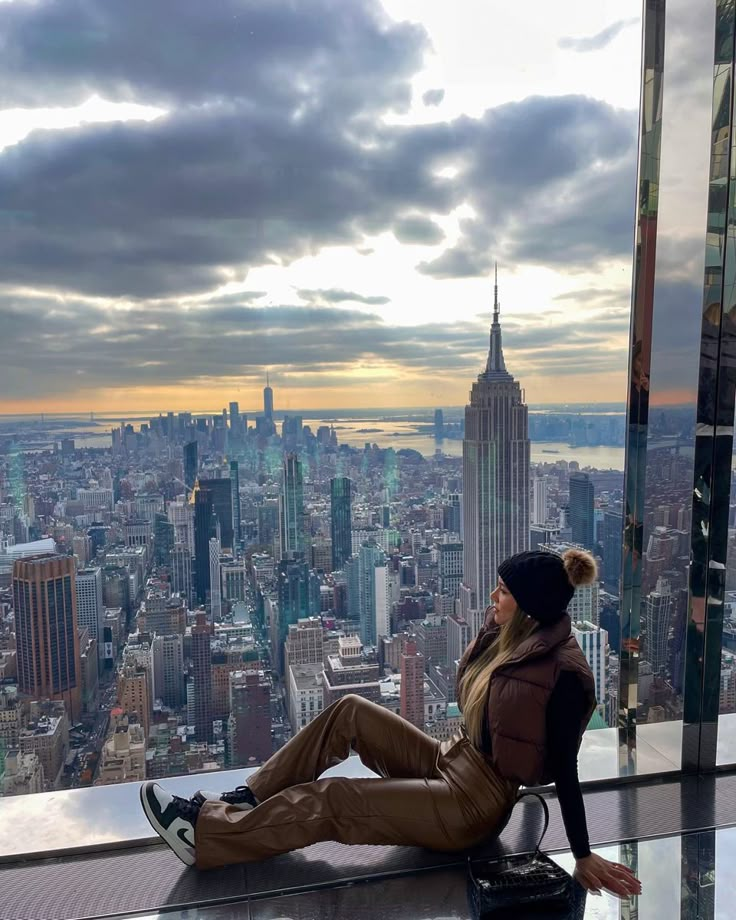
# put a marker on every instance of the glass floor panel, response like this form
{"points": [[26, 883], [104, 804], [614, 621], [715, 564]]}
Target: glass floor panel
{"points": [[689, 877]]}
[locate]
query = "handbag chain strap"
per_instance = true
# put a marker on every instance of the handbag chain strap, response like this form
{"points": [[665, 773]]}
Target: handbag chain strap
{"points": [[545, 809]]}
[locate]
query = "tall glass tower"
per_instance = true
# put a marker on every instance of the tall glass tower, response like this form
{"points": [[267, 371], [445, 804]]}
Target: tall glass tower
{"points": [[291, 507], [235, 499], [191, 464], [341, 526], [581, 509], [202, 533], [495, 471], [268, 400]]}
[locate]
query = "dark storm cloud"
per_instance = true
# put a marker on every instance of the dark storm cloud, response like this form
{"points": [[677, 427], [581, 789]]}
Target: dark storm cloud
{"points": [[600, 39], [175, 205], [268, 53], [272, 148], [335, 295], [552, 180], [77, 344]]}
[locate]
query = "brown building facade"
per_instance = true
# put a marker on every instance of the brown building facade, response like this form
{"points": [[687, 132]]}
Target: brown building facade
{"points": [[47, 636], [202, 678], [250, 718], [412, 685]]}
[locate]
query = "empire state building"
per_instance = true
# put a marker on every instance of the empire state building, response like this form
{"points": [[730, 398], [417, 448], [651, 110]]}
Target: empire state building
{"points": [[495, 476]]}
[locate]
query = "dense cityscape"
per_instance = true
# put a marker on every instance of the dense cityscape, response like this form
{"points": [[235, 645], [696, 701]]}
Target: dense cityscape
{"points": [[187, 599]]}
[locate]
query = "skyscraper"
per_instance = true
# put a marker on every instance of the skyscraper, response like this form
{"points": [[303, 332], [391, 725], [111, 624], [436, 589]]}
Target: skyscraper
{"points": [[539, 500], [202, 677], [453, 518], [46, 630], [235, 499], [371, 557], [341, 520], [250, 718], [191, 464], [581, 509], [594, 642], [613, 530], [222, 505], [382, 599], [268, 521], [167, 670], [203, 519], [215, 585], [450, 568], [268, 401], [181, 570], [495, 472], [234, 421], [458, 637], [412, 685], [90, 605], [293, 602], [657, 619], [164, 537], [439, 425], [291, 507]]}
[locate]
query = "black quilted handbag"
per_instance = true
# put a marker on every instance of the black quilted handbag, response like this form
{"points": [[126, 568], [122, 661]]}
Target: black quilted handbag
{"points": [[528, 885]]}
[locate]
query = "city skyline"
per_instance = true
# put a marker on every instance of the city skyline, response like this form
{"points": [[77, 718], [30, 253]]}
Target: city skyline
{"points": [[325, 203], [330, 537]]}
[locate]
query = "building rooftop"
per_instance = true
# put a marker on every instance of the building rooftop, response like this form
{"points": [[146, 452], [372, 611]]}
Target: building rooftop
{"points": [[46, 725], [307, 675], [47, 545]]}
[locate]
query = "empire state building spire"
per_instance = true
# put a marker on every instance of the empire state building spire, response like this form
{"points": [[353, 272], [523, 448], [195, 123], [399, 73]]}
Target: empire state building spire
{"points": [[495, 477], [495, 365]]}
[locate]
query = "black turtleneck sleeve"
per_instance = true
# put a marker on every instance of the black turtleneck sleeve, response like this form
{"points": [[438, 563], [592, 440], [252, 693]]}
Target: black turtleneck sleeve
{"points": [[565, 710]]}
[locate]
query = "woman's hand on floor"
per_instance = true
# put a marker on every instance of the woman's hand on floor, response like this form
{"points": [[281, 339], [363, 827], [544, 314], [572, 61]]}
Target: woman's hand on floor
{"points": [[594, 873]]}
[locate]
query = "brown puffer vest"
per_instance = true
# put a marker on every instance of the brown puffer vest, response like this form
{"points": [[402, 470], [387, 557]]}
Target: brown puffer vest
{"points": [[515, 738]]}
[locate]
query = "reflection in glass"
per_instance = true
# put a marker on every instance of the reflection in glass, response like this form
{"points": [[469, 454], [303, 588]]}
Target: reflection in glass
{"points": [[720, 673], [714, 442], [638, 402], [660, 523], [698, 876]]}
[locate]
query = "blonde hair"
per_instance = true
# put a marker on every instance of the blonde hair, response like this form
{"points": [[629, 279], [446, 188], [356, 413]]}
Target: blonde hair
{"points": [[473, 689]]}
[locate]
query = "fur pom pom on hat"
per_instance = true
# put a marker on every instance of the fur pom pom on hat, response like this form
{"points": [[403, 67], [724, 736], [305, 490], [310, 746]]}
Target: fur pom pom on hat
{"points": [[580, 566], [543, 583]]}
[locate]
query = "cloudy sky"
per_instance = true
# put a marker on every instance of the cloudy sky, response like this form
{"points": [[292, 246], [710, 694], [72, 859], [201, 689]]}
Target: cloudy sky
{"points": [[193, 193]]}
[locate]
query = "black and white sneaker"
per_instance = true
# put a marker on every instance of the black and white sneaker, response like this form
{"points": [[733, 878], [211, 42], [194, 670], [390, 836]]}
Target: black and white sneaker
{"points": [[173, 819], [241, 797]]}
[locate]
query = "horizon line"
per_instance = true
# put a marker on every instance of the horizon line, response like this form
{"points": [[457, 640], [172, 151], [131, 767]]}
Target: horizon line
{"points": [[245, 410]]}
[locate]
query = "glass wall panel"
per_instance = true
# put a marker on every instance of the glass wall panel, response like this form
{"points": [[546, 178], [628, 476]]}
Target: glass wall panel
{"points": [[212, 543], [719, 371], [666, 321]]}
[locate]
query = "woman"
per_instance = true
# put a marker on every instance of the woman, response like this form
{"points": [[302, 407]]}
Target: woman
{"points": [[526, 693]]}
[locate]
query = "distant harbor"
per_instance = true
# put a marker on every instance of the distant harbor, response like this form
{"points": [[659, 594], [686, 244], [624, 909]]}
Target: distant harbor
{"points": [[403, 430]]}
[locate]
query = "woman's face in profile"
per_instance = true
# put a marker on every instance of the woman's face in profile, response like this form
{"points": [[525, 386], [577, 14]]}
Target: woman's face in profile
{"points": [[503, 602]]}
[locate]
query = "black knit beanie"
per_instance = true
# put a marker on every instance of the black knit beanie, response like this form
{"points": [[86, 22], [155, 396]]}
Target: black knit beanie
{"points": [[543, 583]]}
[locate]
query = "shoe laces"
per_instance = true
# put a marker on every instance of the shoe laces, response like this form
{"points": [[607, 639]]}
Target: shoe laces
{"points": [[187, 809], [238, 794]]}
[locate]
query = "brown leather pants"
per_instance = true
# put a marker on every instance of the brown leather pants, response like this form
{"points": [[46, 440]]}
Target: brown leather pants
{"points": [[443, 796]]}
